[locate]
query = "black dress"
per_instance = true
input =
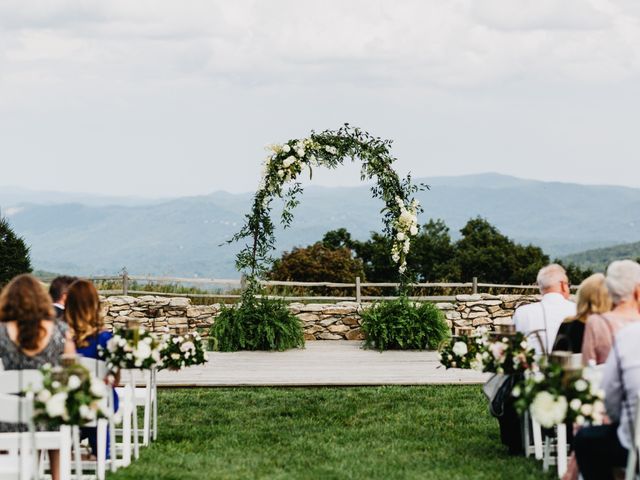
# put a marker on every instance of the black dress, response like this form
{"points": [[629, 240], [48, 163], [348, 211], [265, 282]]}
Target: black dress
{"points": [[569, 336]]}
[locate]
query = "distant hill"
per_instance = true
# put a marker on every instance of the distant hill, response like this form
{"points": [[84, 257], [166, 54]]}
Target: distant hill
{"points": [[181, 236], [598, 259]]}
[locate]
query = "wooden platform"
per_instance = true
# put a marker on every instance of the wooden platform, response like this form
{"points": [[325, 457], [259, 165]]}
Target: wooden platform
{"points": [[338, 363]]}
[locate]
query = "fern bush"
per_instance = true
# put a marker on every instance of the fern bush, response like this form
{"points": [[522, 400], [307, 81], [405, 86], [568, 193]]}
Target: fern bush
{"points": [[257, 324], [402, 325]]}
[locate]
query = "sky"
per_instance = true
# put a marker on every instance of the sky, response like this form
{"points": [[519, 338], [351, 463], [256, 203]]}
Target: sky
{"points": [[165, 98]]}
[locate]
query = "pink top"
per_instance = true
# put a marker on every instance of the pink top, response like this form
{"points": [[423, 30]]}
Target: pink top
{"points": [[598, 335]]}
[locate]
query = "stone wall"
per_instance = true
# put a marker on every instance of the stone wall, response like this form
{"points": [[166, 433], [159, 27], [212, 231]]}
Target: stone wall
{"points": [[336, 321]]}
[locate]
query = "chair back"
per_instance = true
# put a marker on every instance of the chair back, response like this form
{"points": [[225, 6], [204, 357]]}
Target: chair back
{"points": [[95, 366], [17, 381], [16, 409]]}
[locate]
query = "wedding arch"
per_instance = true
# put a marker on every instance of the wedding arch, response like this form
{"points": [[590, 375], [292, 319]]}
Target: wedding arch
{"points": [[285, 164]]}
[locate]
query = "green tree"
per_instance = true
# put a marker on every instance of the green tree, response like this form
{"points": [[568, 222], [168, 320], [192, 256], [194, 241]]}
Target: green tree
{"points": [[432, 254], [340, 238], [375, 255], [14, 253], [486, 253], [317, 263]]}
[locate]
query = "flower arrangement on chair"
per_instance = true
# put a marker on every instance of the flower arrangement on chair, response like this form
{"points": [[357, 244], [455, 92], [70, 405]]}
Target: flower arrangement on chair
{"points": [[182, 350], [132, 348], [70, 395]]}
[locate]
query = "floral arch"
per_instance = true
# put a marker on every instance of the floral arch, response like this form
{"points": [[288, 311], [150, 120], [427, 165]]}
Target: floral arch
{"points": [[285, 164]]}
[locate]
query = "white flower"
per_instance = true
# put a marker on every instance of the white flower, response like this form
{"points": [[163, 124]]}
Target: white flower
{"points": [[548, 411], [286, 148], [74, 382], [516, 391], [98, 388], [175, 356], [300, 152], [44, 395], [586, 409], [460, 349], [290, 160], [581, 385], [87, 413], [406, 247], [395, 257], [56, 406], [55, 385], [280, 173], [575, 404], [403, 268], [400, 236], [148, 340], [142, 352], [187, 346], [538, 377], [413, 230]]}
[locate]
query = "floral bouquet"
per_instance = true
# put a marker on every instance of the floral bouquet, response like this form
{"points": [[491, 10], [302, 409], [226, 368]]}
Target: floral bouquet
{"points": [[554, 396], [462, 351], [182, 351], [132, 348], [70, 395], [507, 354]]}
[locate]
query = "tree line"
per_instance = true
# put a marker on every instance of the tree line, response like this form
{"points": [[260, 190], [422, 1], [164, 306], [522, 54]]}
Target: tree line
{"points": [[482, 251]]}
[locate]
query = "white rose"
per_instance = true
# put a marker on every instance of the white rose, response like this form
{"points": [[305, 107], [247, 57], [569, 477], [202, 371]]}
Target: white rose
{"points": [[581, 385], [55, 385], [175, 356], [300, 152], [413, 230], [44, 395], [286, 148], [406, 247], [98, 388], [402, 268], [460, 349], [538, 377], [289, 161], [586, 409], [400, 236], [280, 173], [580, 420], [406, 218], [516, 391], [548, 411], [56, 406], [122, 342], [87, 413], [395, 257], [143, 351], [74, 382], [148, 340], [575, 404], [187, 346]]}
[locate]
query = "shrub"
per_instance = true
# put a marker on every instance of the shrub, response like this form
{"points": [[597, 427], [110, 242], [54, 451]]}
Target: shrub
{"points": [[14, 254], [402, 325], [257, 324]]}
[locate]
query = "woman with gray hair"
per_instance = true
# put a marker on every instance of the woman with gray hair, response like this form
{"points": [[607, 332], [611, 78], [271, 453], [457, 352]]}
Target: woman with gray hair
{"points": [[623, 282]]}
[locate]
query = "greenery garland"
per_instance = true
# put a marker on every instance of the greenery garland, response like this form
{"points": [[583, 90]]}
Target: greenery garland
{"points": [[280, 178]]}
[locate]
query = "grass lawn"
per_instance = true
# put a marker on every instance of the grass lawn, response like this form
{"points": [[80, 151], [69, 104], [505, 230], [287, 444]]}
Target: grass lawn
{"points": [[431, 432]]}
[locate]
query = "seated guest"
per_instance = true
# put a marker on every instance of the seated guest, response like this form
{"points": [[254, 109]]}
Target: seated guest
{"points": [[593, 297], [29, 337], [601, 448], [623, 280], [541, 320], [82, 314], [58, 291]]}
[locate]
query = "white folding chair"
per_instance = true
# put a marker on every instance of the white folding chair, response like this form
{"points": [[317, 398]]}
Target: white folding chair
{"points": [[99, 369], [146, 397], [16, 381], [20, 461], [632, 459]]}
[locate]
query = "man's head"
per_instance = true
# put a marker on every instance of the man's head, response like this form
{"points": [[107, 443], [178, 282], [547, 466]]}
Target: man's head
{"points": [[623, 281], [59, 287], [553, 279]]}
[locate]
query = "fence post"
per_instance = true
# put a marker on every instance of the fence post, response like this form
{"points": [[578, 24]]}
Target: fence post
{"points": [[475, 285], [358, 292], [125, 281]]}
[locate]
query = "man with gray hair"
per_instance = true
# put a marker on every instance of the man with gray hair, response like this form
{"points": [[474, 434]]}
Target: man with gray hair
{"points": [[542, 320]]}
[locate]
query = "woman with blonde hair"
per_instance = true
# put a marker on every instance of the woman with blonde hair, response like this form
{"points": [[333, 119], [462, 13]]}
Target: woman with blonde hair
{"points": [[30, 337], [592, 298], [82, 314]]}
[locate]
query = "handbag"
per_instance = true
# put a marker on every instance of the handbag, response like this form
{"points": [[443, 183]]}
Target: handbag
{"points": [[498, 390]]}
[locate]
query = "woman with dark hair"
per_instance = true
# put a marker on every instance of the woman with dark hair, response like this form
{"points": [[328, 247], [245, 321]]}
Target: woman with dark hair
{"points": [[82, 314], [29, 337]]}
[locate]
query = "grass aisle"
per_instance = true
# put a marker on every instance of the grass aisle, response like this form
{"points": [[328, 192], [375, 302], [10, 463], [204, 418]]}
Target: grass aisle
{"points": [[433, 432]]}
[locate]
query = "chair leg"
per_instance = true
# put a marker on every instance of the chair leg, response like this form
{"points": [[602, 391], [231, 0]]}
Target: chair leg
{"points": [[65, 452], [113, 457], [154, 385], [537, 439], [632, 459], [136, 440], [147, 410], [127, 415], [561, 449], [75, 432], [102, 449], [547, 454]]}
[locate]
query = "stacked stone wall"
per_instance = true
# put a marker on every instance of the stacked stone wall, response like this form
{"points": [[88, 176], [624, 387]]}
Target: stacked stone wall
{"points": [[321, 321]]}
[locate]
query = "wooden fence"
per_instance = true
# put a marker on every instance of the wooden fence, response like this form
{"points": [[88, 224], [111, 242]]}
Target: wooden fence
{"points": [[357, 286]]}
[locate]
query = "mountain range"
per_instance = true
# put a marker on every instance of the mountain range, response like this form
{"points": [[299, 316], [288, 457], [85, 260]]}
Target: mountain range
{"points": [[91, 234]]}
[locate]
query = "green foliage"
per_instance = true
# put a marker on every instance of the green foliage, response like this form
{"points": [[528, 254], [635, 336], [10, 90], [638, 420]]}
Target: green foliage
{"points": [[434, 432], [257, 324], [280, 179], [317, 263], [14, 253], [402, 325]]}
